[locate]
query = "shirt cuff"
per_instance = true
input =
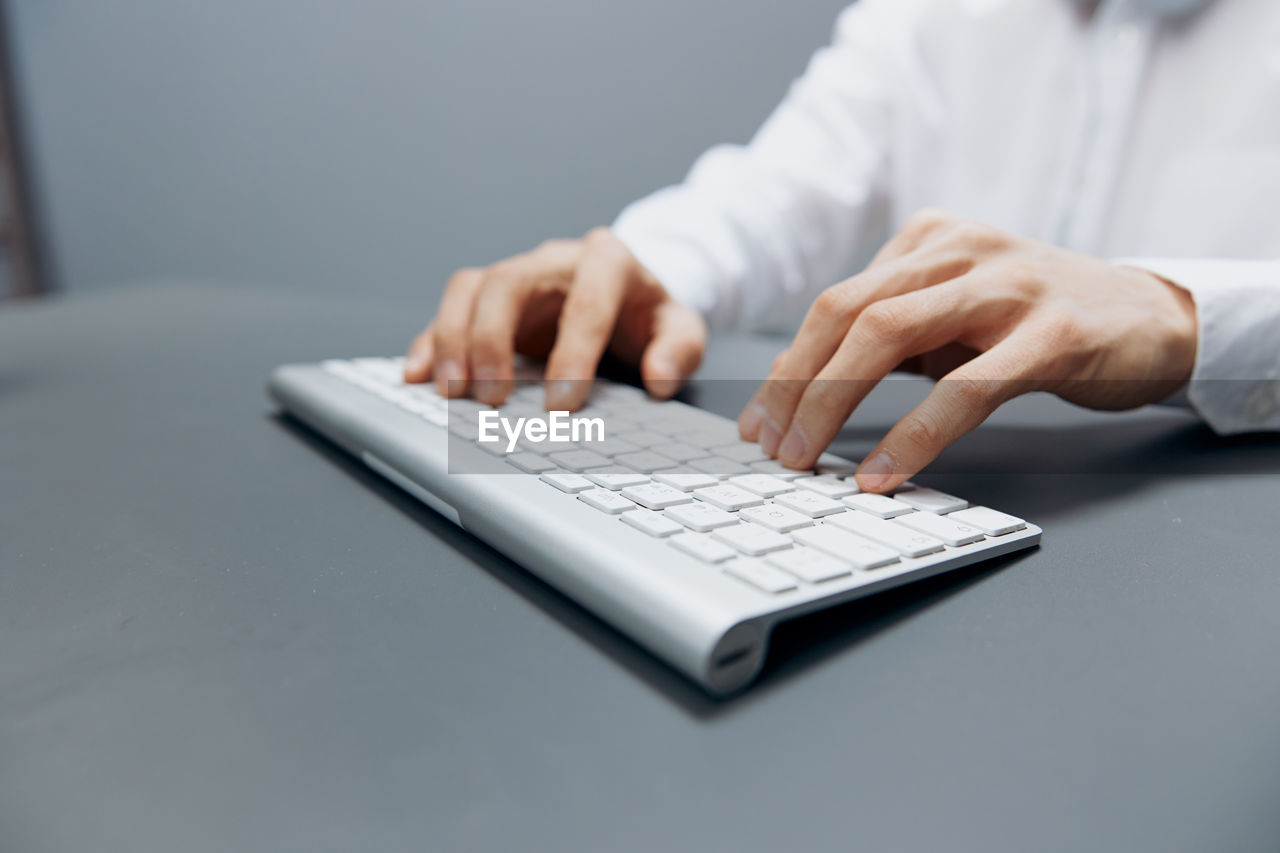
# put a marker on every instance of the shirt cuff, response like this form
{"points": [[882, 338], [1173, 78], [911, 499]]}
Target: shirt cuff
{"points": [[1235, 386]]}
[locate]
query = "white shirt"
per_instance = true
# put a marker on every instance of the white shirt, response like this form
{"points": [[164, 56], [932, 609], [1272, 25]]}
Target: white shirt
{"points": [[1122, 134]]}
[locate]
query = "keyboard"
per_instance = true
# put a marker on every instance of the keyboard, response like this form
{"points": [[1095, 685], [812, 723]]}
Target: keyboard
{"points": [[653, 515]]}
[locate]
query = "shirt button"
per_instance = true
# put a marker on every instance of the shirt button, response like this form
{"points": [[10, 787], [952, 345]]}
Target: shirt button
{"points": [[1263, 401]]}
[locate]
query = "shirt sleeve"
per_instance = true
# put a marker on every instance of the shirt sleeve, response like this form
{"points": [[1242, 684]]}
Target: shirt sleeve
{"points": [[1235, 385], [754, 230]]}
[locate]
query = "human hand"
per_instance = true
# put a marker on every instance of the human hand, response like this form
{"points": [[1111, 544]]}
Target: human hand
{"points": [[994, 316], [566, 301]]}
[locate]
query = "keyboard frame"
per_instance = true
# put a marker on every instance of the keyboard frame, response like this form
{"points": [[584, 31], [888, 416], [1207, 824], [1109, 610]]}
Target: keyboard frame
{"points": [[713, 628]]}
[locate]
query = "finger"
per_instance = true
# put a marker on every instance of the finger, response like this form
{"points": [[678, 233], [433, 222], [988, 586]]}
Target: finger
{"points": [[825, 326], [451, 331], [881, 338], [676, 349], [417, 362], [958, 403], [587, 319], [914, 233], [501, 303]]}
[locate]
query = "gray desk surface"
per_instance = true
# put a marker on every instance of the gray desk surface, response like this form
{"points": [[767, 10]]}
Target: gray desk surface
{"points": [[218, 634]]}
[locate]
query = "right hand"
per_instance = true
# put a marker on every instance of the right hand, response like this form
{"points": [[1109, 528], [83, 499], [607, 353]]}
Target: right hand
{"points": [[565, 301]]}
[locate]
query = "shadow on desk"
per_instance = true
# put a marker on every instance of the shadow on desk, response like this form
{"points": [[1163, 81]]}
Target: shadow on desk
{"points": [[1044, 471], [1108, 463]]}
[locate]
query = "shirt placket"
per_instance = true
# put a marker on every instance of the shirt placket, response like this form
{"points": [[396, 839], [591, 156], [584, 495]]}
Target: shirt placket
{"points": [[1114, 67]]}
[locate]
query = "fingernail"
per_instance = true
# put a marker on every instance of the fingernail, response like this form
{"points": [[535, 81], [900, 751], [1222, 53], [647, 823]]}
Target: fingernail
{"points": [[875, 473], [663, 368], [414, 365], [750, 420], [663, 378], [559, 393], [793, 447], [448, 372], [769, 438]]}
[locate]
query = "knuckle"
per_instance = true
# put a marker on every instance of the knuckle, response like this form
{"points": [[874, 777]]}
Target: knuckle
{"points": [[927, 219], [1072, 345], [921, 431], [882, 322], [555, 245], [835, 301], [598, 237], [504, 275], [1025, 278], [463, 277], [970, 392], [975, 237], [1067, 333]]}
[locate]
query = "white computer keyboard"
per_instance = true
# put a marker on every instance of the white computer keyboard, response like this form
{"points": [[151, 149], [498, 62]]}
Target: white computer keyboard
{"points": [[671, 527], [685, 476]]}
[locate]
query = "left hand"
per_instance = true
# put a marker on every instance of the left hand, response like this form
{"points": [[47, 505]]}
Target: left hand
{"points": [[994, 316]]}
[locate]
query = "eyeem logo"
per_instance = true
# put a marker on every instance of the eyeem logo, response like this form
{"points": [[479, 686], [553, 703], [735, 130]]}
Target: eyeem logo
{"points": [[557, 428]]}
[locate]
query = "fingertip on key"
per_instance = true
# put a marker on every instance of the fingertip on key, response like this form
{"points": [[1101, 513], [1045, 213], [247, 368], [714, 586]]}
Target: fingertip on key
{"points": [[877, 473]]}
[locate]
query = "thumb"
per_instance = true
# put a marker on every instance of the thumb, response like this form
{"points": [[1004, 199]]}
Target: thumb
{"points": [[675, 350]]}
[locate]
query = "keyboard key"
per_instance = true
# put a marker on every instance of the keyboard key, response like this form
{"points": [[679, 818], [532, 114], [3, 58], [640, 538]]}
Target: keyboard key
{"points": [[740, 451], [680, 451], [760, 575], [701, 517], [645, 461], [752, 539], [842, 545], [606, 501], [930, 500], [761, 484], [774, 468], [878, 505], [686, 482], [909, 543], [702, 546], [613, 446], [835, 466], [542, 448], [941, 526], [809, 503], [728, 497], [643, 438], [566, 482], [653, 523], [718, 466], [656, 495], [776, 517], [809, 565], [468, 408], [989, 521], [704, 436], [578, 460], [828, 485], [530, 462], [615, 480], [384, 370]]}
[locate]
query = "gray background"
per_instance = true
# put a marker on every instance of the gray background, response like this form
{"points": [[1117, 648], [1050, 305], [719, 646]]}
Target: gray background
{"points": [[219, 634], [375, 146]]}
